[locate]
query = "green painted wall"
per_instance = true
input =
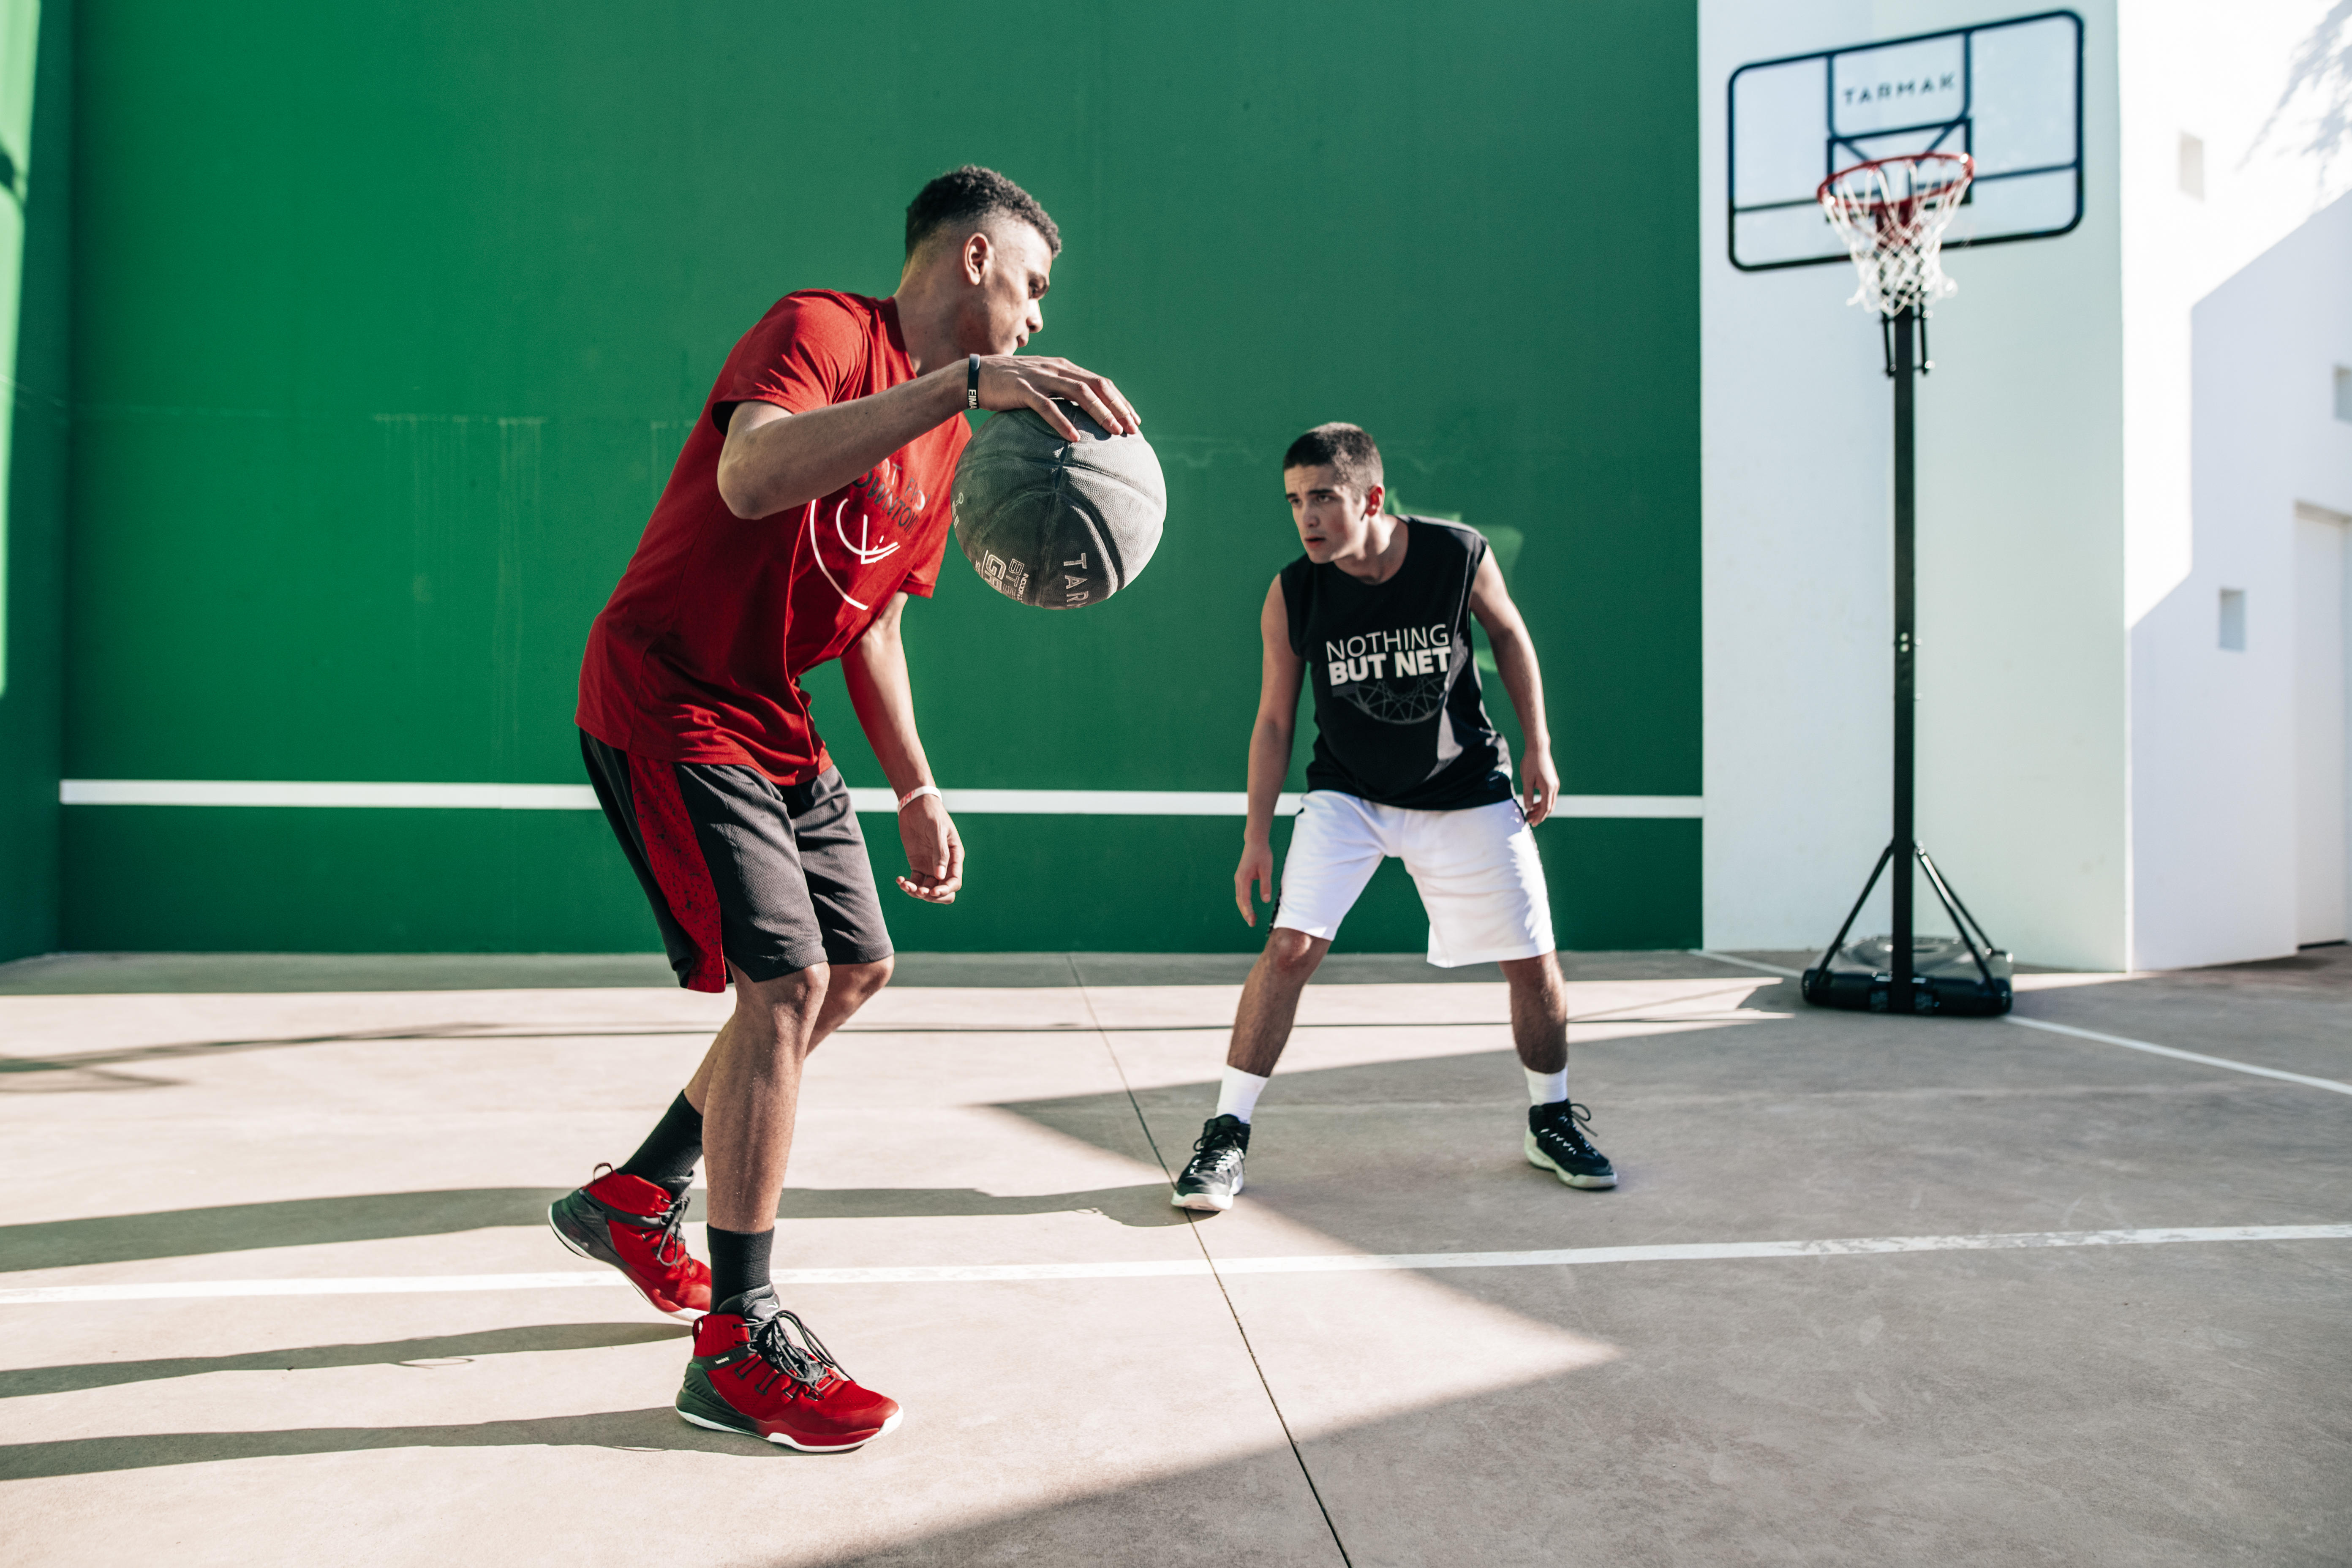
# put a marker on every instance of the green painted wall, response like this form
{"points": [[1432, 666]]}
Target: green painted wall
{"points": [[391, 320], [35, 115]]}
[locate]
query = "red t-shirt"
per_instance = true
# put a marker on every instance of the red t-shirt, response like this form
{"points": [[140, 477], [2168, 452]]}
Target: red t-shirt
{"points": [[697, 657]]}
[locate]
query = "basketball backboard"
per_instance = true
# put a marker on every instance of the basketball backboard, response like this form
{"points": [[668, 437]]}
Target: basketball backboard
{"points": [[2008, 94]]}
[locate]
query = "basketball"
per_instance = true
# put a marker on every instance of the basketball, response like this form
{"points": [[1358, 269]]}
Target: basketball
{"points": [[1054, 523]]}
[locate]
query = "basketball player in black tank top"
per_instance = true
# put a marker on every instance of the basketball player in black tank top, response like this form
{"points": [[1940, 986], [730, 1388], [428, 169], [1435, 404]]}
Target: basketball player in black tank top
{"points": [[1376, 616]]}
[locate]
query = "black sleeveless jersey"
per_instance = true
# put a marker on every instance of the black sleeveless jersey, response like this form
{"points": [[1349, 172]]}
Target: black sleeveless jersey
{"points": [[1398, 714]]}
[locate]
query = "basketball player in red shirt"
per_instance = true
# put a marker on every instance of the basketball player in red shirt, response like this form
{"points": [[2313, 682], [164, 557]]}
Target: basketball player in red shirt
{"points": [[810, 503]]}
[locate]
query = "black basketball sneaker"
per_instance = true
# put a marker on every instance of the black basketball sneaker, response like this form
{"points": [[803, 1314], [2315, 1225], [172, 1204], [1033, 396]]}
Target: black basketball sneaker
{"points": [[1555, 1143], [1214, 1177]]}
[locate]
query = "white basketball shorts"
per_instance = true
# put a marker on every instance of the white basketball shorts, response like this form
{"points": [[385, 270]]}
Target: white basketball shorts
{"points": [[1477, 869]]}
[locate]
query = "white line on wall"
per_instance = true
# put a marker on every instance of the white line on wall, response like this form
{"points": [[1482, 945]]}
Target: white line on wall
{"points": [[579, 797], [1334, 1263], [225, 792]]}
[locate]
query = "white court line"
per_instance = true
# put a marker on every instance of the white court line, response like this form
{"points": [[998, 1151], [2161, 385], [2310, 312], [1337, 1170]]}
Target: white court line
{"points": [[1746, 963], [2183, 1056], [2129, 1045], [1337, 1263], [581, 797]]}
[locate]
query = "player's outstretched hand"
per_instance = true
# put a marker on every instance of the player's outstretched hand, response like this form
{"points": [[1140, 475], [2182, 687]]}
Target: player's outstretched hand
{"points": [[1541, 790], [1033, 380], [934, 853], [1258, 866]]}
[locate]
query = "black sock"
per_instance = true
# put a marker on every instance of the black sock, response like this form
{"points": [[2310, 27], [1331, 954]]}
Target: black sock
{"points": [[667, 1157], [739, 1262]]}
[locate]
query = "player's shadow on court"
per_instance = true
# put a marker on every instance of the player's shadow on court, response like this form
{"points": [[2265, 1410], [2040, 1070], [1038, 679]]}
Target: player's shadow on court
{"points": [[440, 1349], [381, 1217], [240, 1227], [86, 1071], [656, 1428]]}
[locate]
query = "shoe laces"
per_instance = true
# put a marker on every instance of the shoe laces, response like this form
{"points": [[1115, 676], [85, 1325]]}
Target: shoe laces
{"points": [[1217, 1149], [1568, 1124], [669, 1247], [669, 1251], [807, 1362]]}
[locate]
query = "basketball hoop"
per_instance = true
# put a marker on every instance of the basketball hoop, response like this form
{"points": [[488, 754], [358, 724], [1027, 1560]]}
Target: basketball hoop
{"points": [[1891, 213]]}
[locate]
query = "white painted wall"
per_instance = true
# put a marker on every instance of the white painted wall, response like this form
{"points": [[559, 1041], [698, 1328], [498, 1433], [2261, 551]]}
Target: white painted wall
{"points": [[2022, 743], [2249, 80], [2323, 854], [2236, 306], [2215, 733]]}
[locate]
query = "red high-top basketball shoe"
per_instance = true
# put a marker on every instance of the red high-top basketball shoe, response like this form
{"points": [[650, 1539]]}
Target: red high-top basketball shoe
{"points": [[749, 1375], [631, 1224]]}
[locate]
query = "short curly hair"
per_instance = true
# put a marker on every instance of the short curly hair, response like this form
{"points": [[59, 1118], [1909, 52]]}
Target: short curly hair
{"points": [[971, 196], [1346, 447]]}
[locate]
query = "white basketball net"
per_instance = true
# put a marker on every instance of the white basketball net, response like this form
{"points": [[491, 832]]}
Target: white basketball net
{"points": [[1892, 215]]}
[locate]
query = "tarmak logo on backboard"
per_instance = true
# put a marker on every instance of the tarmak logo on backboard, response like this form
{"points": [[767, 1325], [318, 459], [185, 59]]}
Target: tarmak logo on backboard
{"points": [[1947, 81]]}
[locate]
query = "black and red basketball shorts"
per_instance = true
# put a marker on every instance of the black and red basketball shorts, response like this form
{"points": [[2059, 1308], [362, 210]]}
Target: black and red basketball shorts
{"points": [[772, 879]]}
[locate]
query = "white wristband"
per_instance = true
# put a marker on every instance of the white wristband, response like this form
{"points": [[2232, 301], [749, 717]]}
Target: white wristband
{"points": [[918, 792]]}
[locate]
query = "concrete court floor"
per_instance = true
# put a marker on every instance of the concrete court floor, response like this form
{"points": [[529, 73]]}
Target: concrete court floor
{"points": [[173, 1121]]}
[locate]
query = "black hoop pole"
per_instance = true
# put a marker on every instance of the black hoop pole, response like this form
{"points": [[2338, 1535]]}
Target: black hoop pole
{"points": [[1906, 845]]}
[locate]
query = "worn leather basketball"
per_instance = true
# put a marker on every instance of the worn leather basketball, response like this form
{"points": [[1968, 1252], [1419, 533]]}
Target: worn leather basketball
{"points": [[1054, 523]]}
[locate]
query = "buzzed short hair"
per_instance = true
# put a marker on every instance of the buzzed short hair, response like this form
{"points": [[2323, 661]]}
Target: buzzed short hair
{"points": [[1346, 447], [968, 197]]}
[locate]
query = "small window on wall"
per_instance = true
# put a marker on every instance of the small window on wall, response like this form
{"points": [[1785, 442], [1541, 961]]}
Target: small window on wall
{"points": [[2344, 394], [2233, 620], [2192, 165]]}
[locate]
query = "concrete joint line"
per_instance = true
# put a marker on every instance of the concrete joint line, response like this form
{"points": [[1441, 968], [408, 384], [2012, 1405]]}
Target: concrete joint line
{"points": [[1209, 1262], [1336, 1263]]}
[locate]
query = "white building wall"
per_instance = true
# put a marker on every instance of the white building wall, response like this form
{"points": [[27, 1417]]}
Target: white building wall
{"points": [[2236, 306], [2214, 737], [2023, 740]]}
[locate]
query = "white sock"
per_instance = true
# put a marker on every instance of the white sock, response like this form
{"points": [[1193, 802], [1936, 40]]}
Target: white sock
{"points": [[1237, 1094], [1546, 1088]]}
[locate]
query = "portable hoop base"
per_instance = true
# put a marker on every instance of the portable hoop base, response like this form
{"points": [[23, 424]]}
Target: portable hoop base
{"points": [[1943, 980], [1964, 976]]}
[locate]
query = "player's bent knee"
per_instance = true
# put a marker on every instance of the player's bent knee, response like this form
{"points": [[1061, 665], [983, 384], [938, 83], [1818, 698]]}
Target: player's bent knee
{"points": [[771, 1004], [1293, 954], [858, 983]]}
